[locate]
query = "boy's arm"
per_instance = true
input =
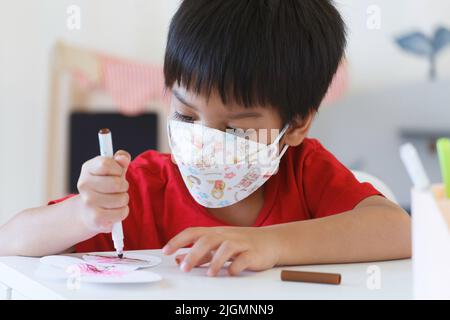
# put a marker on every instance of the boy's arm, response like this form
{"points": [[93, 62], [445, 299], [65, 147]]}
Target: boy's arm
{"points": [[376, 229], [44, 230], [103, 200]]}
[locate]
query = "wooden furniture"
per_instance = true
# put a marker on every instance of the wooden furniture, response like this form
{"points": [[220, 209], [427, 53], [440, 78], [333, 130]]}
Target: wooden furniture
{"points": [[67, 96]]}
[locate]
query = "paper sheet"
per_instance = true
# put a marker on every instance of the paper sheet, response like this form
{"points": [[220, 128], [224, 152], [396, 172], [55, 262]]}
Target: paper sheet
{"points": [[101, 268]]}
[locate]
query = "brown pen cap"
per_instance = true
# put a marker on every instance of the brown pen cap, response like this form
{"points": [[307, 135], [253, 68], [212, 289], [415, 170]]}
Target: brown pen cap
{"points": [[104, 131], [312, 277]]}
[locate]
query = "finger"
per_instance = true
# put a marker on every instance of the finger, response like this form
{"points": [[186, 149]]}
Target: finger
{"points": [[123, 158], [105, 218], [240, 263], [105, 184], [207, 258], [104, 166], [201, 247], [179, 258], [106, 201], [183, 239], [226, 250]]}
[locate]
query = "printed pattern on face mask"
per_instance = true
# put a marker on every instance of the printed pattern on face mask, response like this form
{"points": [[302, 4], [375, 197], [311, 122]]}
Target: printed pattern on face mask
{"points": [[219, 168]]}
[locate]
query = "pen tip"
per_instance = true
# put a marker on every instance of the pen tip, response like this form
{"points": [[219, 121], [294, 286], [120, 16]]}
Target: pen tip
{"points": [[120, 255]]}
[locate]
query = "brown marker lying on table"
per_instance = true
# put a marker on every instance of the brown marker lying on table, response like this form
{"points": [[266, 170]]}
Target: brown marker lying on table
{"points": [[312, 277]]}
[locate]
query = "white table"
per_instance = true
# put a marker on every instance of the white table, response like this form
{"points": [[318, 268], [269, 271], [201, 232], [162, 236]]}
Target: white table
{"points": [[18, 281]]}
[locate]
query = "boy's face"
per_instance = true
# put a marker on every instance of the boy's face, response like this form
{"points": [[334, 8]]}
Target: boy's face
{"points": [[211, 112]]}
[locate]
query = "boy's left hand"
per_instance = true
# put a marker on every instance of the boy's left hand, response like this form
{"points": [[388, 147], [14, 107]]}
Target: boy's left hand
{"points": [[249, 248]]}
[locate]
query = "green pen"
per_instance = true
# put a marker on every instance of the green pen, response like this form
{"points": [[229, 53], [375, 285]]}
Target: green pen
{"points": [[443, 149]]}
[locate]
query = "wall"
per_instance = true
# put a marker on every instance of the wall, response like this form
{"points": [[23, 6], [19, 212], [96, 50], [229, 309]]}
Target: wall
{"points": [[28, 29], [375, 61], [366, 129]]}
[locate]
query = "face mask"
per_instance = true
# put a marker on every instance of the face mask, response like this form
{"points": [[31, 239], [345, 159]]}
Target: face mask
{"points": [[221, 168]]}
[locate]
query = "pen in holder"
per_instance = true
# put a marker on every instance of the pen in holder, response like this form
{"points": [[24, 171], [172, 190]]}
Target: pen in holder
{"points": [[431, 243]]}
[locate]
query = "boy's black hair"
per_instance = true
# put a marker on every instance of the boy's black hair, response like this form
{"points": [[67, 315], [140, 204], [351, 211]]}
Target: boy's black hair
{"points": [[280, 53]]}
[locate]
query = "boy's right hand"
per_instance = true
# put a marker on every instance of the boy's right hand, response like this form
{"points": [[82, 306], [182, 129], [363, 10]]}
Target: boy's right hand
{"points": [[103, 191]]}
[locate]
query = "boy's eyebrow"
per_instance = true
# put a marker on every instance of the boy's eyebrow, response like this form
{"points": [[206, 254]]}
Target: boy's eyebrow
{"points": [[247, 114]]}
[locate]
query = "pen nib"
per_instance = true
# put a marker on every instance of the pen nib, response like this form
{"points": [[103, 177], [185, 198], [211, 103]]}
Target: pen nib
{"points": [[120, 255]]}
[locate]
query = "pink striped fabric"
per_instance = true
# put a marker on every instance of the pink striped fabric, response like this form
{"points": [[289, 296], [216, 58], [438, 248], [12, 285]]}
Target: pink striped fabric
{"points": [[82, 80], [338, 86], [132, 85]]}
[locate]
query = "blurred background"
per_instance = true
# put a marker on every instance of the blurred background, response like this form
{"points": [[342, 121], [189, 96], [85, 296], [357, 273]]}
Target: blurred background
{"points": [[67, 67]]}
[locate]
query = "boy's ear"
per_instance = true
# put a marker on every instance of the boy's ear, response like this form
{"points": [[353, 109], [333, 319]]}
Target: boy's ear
{"points": [[298, 130]]}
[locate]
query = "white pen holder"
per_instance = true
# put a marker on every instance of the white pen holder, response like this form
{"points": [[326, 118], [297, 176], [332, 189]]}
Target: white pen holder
{"points": [[431, 243]]}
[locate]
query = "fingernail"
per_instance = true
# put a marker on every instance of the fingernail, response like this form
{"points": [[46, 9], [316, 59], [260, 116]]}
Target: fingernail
{"points": [[184, 266], [165, 249], [210, 273], [120, 157]]}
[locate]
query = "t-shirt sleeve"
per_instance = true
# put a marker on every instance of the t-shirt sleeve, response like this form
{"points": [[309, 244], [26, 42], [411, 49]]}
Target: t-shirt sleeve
{"points": [[61, 199], [329, 187]]}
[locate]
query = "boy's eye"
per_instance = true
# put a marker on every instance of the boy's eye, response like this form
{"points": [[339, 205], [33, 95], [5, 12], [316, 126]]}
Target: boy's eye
{"points": [[182, 117]]}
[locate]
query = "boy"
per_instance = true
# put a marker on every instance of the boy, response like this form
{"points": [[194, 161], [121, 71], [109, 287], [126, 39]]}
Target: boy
{"points": [[236, 64]]}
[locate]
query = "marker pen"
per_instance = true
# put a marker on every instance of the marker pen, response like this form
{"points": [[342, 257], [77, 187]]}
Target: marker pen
{"points": [[443, 149], [312, 277], [414, 166], [106, 150]]}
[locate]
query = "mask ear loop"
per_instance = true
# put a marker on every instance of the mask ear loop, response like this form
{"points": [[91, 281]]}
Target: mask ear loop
{"points": [[277, 140], [276, 161]]}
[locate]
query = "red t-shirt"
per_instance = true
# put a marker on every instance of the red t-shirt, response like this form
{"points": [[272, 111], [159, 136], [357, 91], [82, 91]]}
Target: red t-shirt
{"points": [[310, 183]]}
